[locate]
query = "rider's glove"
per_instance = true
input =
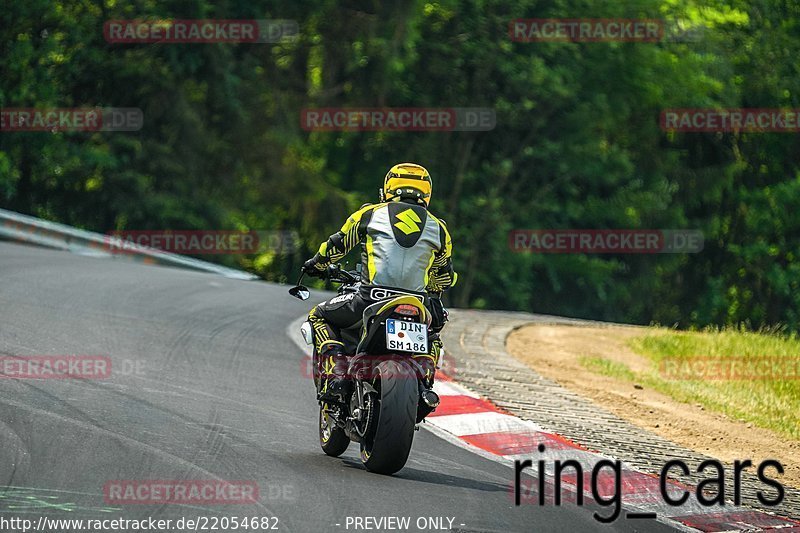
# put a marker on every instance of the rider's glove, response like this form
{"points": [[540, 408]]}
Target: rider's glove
{"points": [[438, 313], [314, 267]]}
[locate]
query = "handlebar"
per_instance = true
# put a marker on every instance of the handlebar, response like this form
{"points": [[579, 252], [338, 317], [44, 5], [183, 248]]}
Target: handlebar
{"points": [[332, 273], [336, 274]]}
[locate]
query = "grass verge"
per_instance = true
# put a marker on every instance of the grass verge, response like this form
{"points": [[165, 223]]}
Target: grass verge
{"points": [[752, 377]]}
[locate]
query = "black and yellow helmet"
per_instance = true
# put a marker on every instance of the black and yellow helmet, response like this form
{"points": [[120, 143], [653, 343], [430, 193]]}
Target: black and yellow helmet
{"points": [[408, 180]]}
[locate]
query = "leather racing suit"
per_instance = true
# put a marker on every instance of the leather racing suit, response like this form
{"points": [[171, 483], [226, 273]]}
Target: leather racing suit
{"points": [[404, 247]]}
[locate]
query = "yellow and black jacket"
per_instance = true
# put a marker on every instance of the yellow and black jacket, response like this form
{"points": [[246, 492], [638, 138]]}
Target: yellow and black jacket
{"points": [[403, 246]]}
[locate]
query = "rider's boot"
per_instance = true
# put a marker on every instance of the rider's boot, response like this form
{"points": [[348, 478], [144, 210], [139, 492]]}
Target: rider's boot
{"points": [[339, 384]]}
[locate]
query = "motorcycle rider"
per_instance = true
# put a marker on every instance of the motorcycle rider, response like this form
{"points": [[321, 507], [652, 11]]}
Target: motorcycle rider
{"points": [[404, 247]]}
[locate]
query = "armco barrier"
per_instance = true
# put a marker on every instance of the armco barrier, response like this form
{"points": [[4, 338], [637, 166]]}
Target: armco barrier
{"points": [[24, 228]]}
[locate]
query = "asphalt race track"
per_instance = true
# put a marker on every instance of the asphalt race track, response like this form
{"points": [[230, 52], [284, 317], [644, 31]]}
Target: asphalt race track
{"points": [[205, 386]]}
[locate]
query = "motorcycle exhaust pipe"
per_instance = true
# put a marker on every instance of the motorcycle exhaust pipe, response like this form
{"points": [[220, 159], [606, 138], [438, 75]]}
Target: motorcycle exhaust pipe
{"points": [[430, 398]]}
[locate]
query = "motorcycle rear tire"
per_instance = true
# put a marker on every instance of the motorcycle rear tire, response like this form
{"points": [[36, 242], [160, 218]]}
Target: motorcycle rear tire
{"points": [[387, 447]]}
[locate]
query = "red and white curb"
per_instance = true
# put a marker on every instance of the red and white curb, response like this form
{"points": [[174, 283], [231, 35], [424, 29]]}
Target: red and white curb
{"points": [[476, 424], [480, 425]]}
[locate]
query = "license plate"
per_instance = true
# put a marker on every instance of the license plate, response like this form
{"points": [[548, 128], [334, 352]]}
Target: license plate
{"points": [[406, 336]]}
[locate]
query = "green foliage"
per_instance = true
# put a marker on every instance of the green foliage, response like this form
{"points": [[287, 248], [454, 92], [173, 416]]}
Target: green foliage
{"points": [[577, 142]]}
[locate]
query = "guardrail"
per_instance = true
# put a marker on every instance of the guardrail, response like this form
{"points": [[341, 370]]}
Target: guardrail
{"points": [[24, 228]]}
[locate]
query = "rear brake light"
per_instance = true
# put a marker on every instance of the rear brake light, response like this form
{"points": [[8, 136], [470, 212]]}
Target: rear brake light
{"points": [[407, 310]]}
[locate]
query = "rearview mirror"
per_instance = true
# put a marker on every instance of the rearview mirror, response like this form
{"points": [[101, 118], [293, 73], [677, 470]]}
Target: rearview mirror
{"points": [[300, 292]]}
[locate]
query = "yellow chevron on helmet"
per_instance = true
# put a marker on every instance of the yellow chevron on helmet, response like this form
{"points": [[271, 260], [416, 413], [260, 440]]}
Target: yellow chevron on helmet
{"points": [[408, 180]]}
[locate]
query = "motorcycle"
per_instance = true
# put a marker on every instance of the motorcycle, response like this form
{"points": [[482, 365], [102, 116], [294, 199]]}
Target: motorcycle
{"points": [[389, 396]]}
